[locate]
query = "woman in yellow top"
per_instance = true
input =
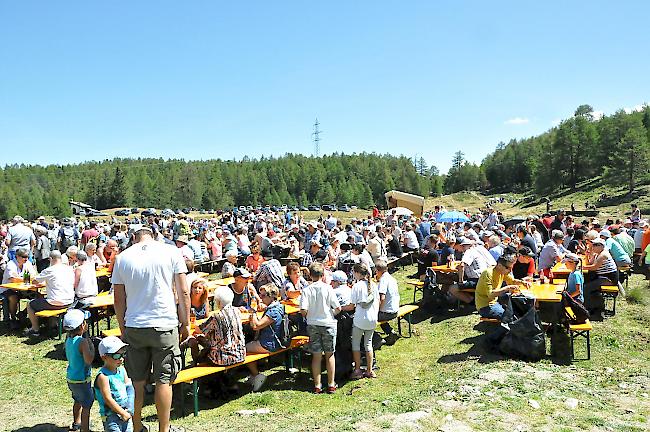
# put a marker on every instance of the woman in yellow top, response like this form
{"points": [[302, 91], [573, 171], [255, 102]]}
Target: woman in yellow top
{"points": [[488, 288]]}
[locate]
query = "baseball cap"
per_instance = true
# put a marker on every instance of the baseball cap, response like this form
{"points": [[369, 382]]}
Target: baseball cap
{"points": [[571, 257], [465, 241], [73, 318], [241, 272], [605, 234], [557, 234], [339, 276], [110, 345], [598, 241], [526, 251]]}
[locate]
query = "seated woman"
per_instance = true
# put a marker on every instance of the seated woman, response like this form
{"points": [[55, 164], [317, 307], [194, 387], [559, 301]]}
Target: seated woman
{"points": [[525, 265], [269, 329], [243, 242], [254, 260], [603, 268], [576, 280], [221, 337], [230, 265], [294, 281], [199, 305], [14, 272], [85, 280]]}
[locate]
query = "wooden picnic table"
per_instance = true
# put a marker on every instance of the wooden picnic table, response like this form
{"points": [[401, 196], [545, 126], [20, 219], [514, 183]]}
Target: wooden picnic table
{"points": [[560, 269], [101, 272], [549, 293], [21, 286], [451, 268]]}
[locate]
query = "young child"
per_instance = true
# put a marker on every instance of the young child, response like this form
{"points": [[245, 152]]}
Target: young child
{"points": [[365, 298], [80, 352], [576, 280], [319, 305], [113, 388]]}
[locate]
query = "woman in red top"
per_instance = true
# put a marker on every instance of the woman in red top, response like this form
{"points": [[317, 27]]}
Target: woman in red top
{"points": [[255, 259]]}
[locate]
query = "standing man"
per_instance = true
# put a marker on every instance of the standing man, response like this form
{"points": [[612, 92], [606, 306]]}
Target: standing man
{"points": [[19, 236], [143, 279]]}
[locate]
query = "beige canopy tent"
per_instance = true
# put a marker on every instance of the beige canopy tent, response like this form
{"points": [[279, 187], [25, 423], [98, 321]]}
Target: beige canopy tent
{"points": [[415, 203]]}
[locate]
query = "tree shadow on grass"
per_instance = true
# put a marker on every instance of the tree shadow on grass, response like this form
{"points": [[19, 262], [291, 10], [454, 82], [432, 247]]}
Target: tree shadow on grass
{"points": [[43, 427]]}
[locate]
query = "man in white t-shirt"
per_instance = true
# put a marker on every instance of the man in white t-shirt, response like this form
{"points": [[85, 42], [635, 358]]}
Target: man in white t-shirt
{"points": [[146, 310], [410, 239], [59, 280], [319, 305], [388, 300], [475, 259]]}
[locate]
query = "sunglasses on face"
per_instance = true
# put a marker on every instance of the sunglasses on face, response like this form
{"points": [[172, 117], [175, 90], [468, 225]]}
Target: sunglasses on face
{"points": [[117, 356], [20, 256]]}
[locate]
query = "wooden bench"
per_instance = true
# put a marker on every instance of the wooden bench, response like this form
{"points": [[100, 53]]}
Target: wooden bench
{"points": [[609, 292], [112, 332], [404, 312], [489, 320], [56, 313], [418, 285], [401, 260], [579, 330], [192, 374]]}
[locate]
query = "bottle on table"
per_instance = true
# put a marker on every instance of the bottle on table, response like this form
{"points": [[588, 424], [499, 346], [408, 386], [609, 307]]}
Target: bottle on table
{"points": [[26, 277]]}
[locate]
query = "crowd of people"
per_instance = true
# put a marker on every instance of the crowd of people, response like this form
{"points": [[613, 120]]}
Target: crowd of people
{"points": [[158, 295]]}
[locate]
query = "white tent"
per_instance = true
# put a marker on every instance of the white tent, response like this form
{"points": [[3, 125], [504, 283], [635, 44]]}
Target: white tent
{"points": [[415, 203]]}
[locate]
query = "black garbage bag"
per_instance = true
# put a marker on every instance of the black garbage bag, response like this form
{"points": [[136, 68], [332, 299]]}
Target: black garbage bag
{"points": [[343, 353], [433, 298], [524, 337]]}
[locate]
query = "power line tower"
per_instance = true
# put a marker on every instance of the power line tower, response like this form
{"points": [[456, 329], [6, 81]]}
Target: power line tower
{"points": [[316, 138]]}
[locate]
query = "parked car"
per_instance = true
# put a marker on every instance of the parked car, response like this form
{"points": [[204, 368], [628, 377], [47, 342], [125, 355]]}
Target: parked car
{"points": [[93, 212], [313, 207], [186, 210], [326, 207], [294, 208], [344, 208], [353, 207], [122, 212], [135, 210], [333, 207], [303, 208], [149, 212], [168, 212]]}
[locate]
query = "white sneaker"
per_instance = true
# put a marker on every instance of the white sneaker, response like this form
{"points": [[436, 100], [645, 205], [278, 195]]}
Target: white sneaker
{"points": [[258, 382]]}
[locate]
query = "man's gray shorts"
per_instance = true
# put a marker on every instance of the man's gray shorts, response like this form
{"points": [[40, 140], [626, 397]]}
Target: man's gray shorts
{"points": [[321, 339], [152, 347]]}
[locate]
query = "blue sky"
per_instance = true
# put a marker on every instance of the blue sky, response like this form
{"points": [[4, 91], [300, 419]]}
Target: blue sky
{"points": [[206, 79]]}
